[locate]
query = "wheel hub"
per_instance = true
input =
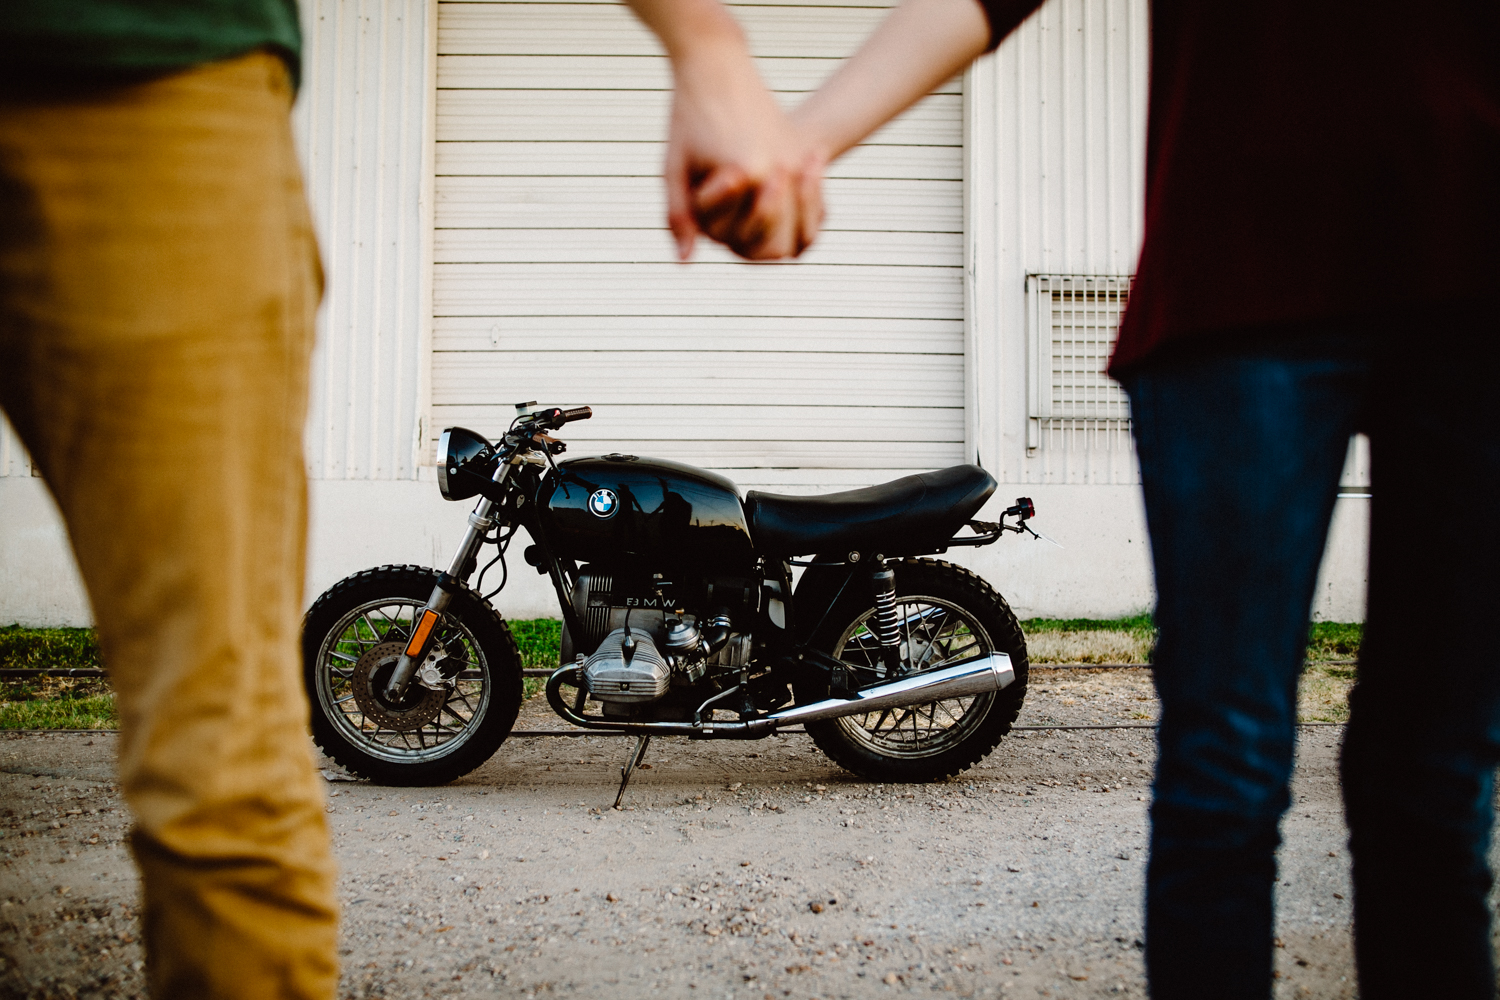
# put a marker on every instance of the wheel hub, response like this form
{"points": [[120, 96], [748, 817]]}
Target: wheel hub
{"points": [[418, 708]]}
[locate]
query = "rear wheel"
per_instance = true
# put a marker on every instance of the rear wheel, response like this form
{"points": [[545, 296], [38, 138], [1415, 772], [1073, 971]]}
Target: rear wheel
{"points": [[948, 615], [351, 639]]}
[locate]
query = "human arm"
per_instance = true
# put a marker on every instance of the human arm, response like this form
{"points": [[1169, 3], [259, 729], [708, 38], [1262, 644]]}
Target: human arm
{"points": [[919, 45], [735, 170]]}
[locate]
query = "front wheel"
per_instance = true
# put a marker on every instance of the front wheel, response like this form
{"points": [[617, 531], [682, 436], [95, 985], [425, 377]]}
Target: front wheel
{"points": [[351, 639], [947, 615]]}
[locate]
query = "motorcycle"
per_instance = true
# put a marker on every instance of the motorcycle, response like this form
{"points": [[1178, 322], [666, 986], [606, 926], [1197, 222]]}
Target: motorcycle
{"points": [[679, 617]]}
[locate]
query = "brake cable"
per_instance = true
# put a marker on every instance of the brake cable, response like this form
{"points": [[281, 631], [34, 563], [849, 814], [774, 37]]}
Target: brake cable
{"points": [[502, 542]]}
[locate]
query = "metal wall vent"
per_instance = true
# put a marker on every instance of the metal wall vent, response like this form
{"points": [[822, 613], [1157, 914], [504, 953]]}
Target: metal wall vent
{"points": [[1073, 321]]}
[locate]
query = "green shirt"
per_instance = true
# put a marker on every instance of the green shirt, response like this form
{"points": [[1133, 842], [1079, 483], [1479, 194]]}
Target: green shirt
{"points": [[143, 35]]}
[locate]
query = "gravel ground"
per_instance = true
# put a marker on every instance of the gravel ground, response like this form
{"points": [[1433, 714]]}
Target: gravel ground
{"points": [[736, 870]]}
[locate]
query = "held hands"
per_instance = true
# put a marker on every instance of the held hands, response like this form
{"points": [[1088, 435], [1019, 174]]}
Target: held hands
{"points": [[737, 170]]}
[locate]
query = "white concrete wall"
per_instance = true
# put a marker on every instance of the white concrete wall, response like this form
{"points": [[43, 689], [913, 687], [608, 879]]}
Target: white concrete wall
{"points": [[39, 582], [364, 123]]}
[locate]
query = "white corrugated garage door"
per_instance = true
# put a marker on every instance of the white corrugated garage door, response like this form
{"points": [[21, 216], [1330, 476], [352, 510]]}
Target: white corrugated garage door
{"points": [[555, 278]]}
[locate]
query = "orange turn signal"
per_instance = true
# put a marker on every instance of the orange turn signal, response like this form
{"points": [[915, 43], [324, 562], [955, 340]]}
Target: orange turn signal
{"points": [[423, 630]]}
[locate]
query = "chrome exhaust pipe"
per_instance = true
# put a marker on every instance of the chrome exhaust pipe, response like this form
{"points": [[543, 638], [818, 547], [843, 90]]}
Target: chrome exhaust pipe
{"points": [[984, 675], [981, 675]]}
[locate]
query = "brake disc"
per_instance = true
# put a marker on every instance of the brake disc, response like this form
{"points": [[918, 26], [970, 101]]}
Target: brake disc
{"points": [[418, 708]]}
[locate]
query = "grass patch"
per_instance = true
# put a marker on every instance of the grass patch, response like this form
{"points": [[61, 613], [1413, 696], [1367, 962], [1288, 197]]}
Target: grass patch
{"points": [[538, 640], [1334, 640], [1130, 640], [57, 703], [53, 702], [48, 649], [1090, 640], [1140, 625]]}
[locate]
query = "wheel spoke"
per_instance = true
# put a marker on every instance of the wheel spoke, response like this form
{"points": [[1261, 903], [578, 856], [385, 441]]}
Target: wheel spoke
{"points": [[865, 645], [389, 622], [906, 713], [926, 654], [935, 630]]}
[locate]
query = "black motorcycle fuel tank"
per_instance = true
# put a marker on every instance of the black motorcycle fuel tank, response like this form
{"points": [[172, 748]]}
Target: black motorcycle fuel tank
{"points": [[645, 513]]}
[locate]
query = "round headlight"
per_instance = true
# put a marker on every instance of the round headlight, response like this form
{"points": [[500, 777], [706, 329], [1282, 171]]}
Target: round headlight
{"points": [[464, 463]]}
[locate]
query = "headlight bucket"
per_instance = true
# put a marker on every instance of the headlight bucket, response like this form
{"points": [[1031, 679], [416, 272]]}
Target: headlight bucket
{"points": [[466, 462]]}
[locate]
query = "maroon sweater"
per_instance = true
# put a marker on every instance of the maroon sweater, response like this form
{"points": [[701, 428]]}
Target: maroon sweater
{"points": [[1311, 159]]}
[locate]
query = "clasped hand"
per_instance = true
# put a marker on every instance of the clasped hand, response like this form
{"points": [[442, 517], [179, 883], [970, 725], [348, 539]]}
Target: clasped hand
{"points": [[741, 171], [738, 170]]}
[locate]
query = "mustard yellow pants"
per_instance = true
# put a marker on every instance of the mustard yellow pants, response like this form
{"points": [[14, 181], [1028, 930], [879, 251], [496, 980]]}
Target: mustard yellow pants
{"points": [[158, 281]]}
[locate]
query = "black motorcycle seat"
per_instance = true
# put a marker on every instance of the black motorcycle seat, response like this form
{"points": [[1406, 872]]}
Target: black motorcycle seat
{"points": [[906, 516]]}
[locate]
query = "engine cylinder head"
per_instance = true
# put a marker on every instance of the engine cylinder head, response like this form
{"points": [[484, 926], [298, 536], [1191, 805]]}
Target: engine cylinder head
{"points": [[612, 677]]}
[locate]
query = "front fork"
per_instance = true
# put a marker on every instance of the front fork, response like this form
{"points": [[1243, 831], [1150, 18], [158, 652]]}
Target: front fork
{"points": [[417, 648]]}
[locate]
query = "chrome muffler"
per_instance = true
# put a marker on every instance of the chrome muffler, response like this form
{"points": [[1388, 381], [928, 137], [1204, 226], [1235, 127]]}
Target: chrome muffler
{"points": [[981, 675], [984, 675]]}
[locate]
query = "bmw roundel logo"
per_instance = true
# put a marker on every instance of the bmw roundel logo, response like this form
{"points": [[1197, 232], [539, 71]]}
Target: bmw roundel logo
{"points": [[604, 503]]}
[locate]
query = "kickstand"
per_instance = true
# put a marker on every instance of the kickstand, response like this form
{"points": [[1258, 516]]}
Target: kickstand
{"points": [[636, 756]]}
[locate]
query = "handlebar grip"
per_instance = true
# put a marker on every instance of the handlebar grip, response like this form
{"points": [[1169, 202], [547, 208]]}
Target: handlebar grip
{"points": [[577, 413]]}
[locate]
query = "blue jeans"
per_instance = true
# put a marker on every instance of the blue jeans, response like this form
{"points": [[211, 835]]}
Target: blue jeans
{"points": [[1241, 451]]}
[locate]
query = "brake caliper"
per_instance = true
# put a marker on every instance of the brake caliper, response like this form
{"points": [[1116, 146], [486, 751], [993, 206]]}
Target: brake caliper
{"points": [[430, 674]]}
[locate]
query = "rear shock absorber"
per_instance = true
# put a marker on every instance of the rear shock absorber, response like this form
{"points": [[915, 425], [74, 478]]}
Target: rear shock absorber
{"points": [[886, 625]]}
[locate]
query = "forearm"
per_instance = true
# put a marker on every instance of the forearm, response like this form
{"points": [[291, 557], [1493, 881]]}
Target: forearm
{"points": [[734, 170], [921, 44], [690, 30]]}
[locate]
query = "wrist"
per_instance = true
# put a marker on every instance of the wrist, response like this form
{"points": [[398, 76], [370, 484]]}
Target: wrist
{"points": [[818, 133], [698, 34]]}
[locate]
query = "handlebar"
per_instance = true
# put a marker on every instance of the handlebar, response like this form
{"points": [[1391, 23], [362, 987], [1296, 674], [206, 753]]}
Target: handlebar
{"points": [[555, 416]]}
